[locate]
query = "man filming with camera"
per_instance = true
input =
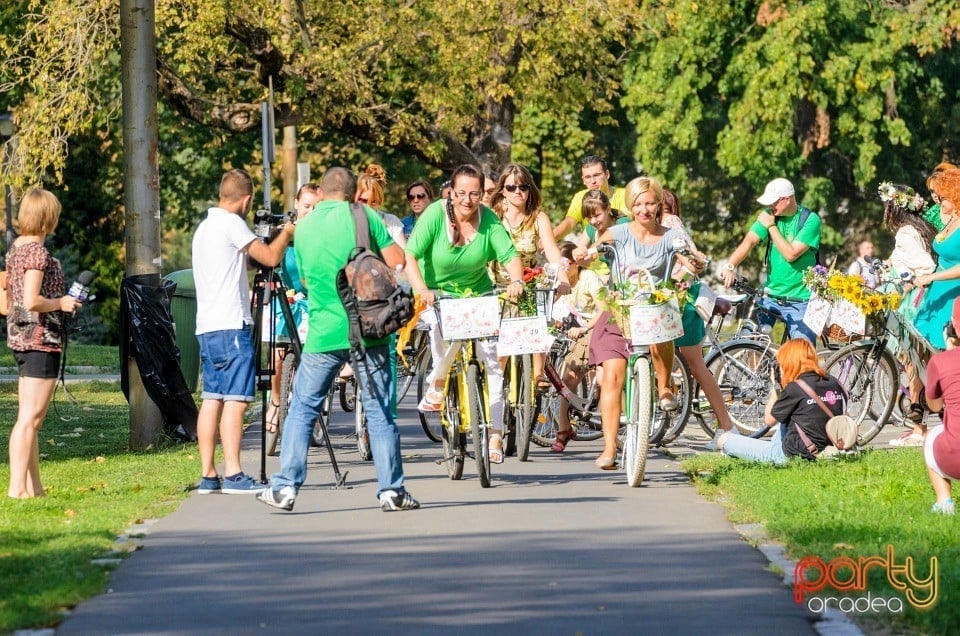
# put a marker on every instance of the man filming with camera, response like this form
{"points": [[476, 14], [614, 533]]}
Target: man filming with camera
{"points": [[221, 245], [325, 241]]}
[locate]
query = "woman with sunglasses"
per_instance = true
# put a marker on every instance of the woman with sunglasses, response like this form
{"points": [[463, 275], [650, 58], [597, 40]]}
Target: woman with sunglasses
{"points": [[449, 251], [419, 196]]}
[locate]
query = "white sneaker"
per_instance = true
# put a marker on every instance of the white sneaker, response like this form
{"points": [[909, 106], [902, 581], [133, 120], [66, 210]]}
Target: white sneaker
{"points": [[282, 498]]}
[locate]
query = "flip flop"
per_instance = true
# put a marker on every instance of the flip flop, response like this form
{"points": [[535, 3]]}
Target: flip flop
{"points": [[431, 402]]}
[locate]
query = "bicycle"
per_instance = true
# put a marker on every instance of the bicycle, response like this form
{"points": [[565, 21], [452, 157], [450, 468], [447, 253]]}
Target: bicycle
{"points": [[465, 411], [521, 390], [870, 374]]}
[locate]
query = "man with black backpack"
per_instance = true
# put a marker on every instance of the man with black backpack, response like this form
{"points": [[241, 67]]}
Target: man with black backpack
{"points": [[325, 243], [791, 235]]}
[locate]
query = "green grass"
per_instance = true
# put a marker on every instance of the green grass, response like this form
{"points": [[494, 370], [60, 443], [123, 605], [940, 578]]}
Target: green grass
{"points": [[96, 489], [854, 507], [105, 359]]}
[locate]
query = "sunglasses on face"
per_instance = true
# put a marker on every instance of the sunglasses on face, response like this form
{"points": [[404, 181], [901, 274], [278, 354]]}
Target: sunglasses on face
{"points": [[417, 196], [513, 187]]}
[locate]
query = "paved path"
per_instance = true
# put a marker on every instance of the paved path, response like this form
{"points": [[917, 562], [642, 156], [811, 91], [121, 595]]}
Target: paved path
{"points": [[554, 547]]}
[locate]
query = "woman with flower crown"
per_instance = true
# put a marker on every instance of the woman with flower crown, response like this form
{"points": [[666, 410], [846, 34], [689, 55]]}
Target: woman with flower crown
{"points": [[912, 256]]}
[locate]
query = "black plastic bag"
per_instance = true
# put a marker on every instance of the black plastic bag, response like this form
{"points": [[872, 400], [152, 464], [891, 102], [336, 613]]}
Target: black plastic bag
{"points": [[146, 333]]}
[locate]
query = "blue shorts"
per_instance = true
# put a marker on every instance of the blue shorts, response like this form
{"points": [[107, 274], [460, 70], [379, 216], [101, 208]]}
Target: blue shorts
{"points": [[228, 365]]}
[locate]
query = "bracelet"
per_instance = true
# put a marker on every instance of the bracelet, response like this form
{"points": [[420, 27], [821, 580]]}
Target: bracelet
{"points": [[519, 281]]}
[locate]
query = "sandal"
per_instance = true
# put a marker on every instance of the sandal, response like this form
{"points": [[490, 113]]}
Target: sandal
{"points": [[916, 413], [563, 438], [432, 401], [543, 383], [272, 420], [495, 454], [606, 463]]}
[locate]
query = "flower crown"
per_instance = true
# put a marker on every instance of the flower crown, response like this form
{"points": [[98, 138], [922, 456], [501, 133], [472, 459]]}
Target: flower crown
{"points": [[903, 197]]}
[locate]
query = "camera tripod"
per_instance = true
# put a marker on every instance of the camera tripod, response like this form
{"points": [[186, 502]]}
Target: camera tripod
{"points": [[268, 285]]}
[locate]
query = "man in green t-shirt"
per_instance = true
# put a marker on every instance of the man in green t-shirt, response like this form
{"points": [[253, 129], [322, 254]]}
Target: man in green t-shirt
{"points": [[793, 234], [324, 241], [594, 173]]}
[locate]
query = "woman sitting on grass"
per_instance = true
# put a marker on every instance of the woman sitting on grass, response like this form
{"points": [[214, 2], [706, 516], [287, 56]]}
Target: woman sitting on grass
{"points": [[941, 449], [801, 423]]}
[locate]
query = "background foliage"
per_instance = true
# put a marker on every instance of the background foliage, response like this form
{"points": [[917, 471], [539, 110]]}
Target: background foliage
{"points": [[714, 98]]}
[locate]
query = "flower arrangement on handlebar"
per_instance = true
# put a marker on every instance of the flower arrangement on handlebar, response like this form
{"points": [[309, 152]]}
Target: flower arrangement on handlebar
{"points": [[836, 286]]}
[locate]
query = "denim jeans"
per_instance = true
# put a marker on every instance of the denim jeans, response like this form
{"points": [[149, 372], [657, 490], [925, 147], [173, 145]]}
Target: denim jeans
{"points": [[792, 315], [757, 450], [311, 383]]}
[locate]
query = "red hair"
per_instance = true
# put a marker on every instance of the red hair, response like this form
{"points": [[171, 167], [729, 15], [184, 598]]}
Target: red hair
{"points": [[798, 356]]}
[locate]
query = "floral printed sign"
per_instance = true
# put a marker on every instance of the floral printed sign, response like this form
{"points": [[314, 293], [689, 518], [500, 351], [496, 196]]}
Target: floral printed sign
{"points": [[469, 318], [848, 317], [524, 335], [817, 313], [650, 324]]}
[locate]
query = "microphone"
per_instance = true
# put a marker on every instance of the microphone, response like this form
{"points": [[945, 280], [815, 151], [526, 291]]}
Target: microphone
{"points": [[80, 289]]}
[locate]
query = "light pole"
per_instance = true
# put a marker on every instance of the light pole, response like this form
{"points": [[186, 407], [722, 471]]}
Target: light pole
{"points": [[7, 129]]}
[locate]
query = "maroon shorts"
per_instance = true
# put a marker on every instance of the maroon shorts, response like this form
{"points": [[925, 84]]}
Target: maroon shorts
{"points": [[607, 342]]}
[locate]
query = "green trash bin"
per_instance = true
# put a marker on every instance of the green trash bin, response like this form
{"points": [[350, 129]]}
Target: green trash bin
{"points": [[183, 307]]}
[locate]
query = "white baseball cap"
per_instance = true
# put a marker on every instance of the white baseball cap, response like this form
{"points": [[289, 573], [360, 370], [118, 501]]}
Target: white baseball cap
{"points": [[776, 190]]}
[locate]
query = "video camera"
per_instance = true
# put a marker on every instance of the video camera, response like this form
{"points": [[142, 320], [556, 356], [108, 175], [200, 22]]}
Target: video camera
{"points": [[266, 224]]}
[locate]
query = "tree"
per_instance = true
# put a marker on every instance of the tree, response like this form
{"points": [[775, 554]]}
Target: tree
{"points": [[835, 94]]}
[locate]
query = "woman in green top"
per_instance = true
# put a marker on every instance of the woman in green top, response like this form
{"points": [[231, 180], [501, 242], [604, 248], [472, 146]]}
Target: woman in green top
{"points": [[453, 242]]}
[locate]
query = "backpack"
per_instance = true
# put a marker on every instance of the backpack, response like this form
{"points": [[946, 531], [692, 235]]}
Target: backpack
{"points": [[376, 305]]}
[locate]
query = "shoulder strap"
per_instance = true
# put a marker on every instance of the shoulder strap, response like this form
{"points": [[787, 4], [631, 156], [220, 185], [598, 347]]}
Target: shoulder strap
{"points": [[361, 225], [806, 389], [811, 447]]}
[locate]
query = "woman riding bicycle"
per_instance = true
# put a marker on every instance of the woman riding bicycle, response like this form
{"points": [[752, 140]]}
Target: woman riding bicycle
{"points": [[453, 241], [640, 244]]}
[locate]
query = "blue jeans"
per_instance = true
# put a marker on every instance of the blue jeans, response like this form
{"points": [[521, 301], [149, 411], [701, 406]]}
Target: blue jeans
{"points": [[790, 313], [311, 384], [757, 450]]}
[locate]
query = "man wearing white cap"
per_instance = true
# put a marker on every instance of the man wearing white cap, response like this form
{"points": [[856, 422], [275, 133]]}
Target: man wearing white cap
{"points": [[792, 235]]}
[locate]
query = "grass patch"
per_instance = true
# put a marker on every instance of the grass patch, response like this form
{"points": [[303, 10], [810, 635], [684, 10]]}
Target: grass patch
{"points": [[104, 359], [851, 507], [96, 489]]}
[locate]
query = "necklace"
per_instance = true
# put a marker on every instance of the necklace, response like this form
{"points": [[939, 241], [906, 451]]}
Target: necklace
{"points": [[947, 230]]}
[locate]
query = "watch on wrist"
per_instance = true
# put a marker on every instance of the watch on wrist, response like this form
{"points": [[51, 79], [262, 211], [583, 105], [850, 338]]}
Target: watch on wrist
{"points": [[518, 281], [729, 267]]}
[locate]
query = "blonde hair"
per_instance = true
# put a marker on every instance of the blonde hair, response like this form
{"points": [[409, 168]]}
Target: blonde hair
{"points": [[39, 212], [373, 179], [638, 186]]}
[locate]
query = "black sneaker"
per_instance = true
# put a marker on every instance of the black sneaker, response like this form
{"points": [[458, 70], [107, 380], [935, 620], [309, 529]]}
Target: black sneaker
{"points": [[282, 498], [391, 500]]}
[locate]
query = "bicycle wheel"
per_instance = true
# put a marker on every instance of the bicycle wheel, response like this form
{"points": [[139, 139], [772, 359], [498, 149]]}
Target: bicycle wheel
{"points": [[870, 376], [348, 393], [430, 422], [743, 372], [636, 439], [524, 412], [287, 367], [451, 435], [360, 425], [415, 353], [478, 424], [666, 426]]}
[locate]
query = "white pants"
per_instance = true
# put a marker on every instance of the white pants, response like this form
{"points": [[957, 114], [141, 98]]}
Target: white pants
{"points": [[444, 353]]}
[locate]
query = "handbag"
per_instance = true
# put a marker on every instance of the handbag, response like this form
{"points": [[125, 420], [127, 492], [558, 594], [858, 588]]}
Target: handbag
{"points": [[841, 429]]}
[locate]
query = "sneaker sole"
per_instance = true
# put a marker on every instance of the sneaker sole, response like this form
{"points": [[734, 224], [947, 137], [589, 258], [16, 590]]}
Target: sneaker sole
{"points": [[207, 491], [236, 491]]}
